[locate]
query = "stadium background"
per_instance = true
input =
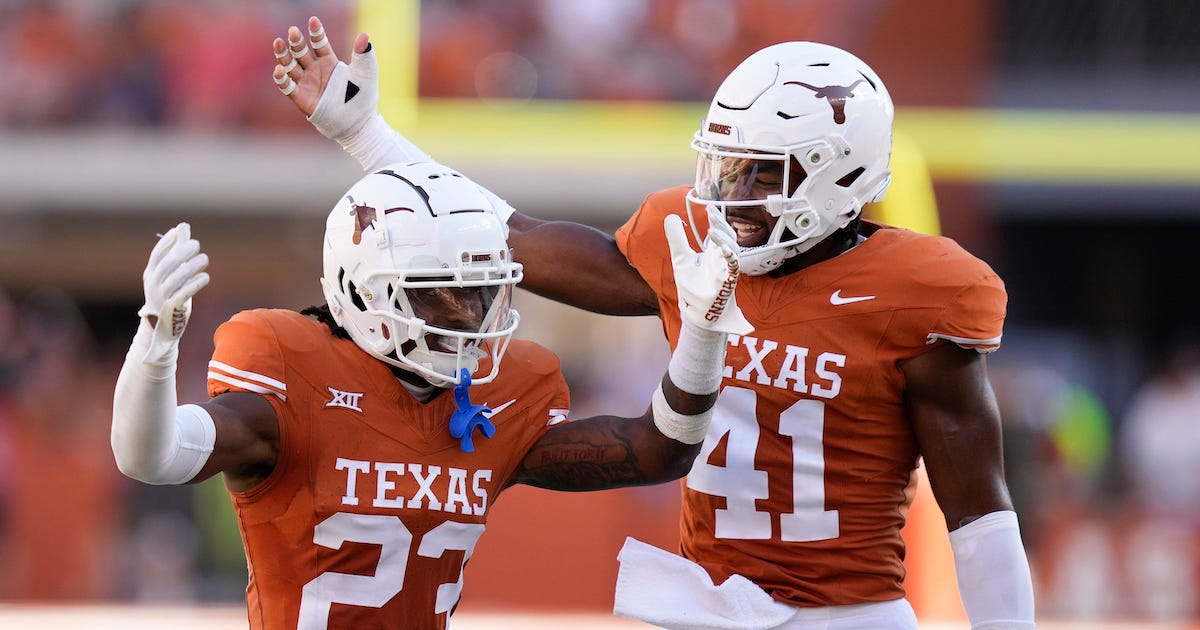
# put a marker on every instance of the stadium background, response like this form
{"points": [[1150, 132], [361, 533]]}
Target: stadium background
{"points": [[1062, 140]]}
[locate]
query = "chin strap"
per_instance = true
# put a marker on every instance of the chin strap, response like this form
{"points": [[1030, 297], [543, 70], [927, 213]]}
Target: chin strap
{"points": [[468, 416]]}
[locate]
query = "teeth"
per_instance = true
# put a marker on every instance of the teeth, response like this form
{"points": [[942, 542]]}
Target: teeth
{"points": [[742, 228]]}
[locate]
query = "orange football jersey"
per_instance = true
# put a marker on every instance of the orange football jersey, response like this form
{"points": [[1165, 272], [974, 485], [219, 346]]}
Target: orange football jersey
{"points": [[801, 483], [372, 508]]}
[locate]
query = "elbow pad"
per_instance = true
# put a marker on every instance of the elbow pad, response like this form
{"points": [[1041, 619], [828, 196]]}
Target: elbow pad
{"points": [[195, 436], [190, 441]]}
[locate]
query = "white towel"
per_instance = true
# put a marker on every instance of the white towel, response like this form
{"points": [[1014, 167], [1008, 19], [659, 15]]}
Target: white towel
{"points": [[669, 591]]}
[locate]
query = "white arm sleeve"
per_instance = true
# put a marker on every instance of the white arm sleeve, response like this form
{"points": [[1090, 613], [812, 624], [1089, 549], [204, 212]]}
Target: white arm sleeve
{"points": [[993, 573], [153, 440], [376, 145]]}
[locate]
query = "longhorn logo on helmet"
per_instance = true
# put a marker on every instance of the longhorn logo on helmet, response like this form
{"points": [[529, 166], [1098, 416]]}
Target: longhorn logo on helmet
{"points": [[836, 95]]}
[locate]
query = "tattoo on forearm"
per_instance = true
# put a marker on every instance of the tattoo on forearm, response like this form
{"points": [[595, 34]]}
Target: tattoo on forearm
{"points": [[586, 476], [571, 453], [597, 454]]}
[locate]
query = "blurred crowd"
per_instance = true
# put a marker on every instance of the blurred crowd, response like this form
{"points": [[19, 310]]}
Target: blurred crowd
{"points": [[61, 502], [72, 528], [139, 63], [207, 64]]}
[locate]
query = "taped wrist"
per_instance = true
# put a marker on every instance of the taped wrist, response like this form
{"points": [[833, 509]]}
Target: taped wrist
{"points": [[350, 97], [993, 573], [153, 440], [698, 360], [376, 145], [678, 426]]}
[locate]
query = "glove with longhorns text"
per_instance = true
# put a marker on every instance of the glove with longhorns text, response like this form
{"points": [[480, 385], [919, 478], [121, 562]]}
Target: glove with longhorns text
{"points": [[174, 274], [706, 280]]}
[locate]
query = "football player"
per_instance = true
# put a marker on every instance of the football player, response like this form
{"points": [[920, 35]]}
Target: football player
{"points": [[868, 354], [364, 442]]}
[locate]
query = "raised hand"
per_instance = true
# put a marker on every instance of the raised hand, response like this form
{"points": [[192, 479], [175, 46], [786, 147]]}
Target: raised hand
{"points": [[706, 280], [173, 275], [337, 98]]}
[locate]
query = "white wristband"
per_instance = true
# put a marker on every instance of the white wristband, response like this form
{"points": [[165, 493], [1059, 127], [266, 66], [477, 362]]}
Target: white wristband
{"points": [[698, 360], [678, 426], [993, 573]]}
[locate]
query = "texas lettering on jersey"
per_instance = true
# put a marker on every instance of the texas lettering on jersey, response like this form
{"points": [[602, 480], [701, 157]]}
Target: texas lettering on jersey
{"points": [[372, 509], [458, 491], [803, 480], [795, 371]]}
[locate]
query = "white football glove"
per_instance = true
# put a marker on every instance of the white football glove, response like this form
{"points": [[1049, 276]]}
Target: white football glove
{"points": [[174, 274], [706, 280], [343, 110]]}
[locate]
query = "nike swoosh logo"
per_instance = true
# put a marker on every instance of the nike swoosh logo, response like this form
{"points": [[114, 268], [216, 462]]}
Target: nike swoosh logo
{"points": [[499, 408], [837, 300]]}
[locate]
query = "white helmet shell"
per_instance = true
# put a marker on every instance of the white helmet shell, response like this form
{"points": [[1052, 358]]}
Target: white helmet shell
{"points": [[821, 112], [418, 272]]}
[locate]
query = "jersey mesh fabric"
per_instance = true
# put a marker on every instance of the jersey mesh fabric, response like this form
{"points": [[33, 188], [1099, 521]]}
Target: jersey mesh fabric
{"points": [[372, 508], [804, 479]]}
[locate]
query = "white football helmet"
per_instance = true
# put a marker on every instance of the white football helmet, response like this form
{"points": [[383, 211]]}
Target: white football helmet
{"points": [[818, 114], [418, 272]]}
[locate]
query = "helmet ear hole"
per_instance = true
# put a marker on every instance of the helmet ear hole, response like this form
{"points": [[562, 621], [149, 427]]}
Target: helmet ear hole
{"points": [[796, 176], [849, 178], [355, 298]]}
